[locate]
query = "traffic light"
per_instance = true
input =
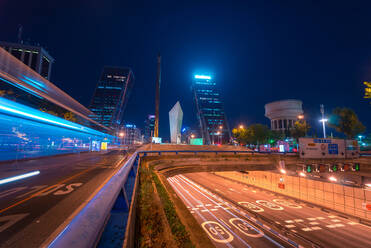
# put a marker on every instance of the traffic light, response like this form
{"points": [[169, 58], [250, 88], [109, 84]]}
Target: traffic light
{"points": [[333, 168], [309, 168], [356, 167]]}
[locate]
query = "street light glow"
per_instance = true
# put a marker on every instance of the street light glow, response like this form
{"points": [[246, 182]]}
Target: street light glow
{"points": [[302, 174], [121, 134], [323, 120], [300, 117], [220, 127], [241, 126], [202, 77], [283, 171], [332, 179], [192, 136]]}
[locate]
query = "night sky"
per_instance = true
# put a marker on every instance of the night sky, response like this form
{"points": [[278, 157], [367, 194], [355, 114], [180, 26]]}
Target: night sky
{"points": [[256, 51]]}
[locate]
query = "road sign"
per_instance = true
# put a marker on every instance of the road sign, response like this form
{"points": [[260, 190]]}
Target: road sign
{"points": [[356, 167], [366, 205]]}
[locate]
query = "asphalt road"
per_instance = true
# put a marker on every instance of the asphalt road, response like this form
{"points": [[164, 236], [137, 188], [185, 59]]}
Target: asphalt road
{"points": [[225, 226], [32, 208], [294, 220]]}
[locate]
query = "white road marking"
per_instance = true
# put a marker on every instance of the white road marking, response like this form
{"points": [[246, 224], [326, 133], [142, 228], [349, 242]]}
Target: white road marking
{"points": [[321, 218], [338, 225], [215, 230], [194, 208], [353, 223], [205, 210], [332, 216], [307, 229], [290, 226], [214, 209], [253, 191], [192, 212], [298, 220], [201, 205], [225, 223], [208, 205], [316, 228], [289, 221], [10, 220], [311, 219], [331, 226], [313, 223], [336, 220]]}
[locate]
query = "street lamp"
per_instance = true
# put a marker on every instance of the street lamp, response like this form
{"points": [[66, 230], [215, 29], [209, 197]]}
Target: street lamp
{"points": [[300, 117], [302, 174], [241, 126], [192, 136], [283, 171], [332, 179]]}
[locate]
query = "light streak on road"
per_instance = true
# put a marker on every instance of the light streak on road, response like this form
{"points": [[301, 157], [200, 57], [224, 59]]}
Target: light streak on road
{"points": [[19, 177]]}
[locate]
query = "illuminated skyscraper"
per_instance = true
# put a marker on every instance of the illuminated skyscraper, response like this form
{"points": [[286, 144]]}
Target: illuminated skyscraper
{"points": [[149, 127], [111, 95], [210, 112]]}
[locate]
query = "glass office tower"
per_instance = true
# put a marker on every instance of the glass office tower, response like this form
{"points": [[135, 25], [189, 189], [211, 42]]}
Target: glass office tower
{"points": [[210, 112], [111, 95]]}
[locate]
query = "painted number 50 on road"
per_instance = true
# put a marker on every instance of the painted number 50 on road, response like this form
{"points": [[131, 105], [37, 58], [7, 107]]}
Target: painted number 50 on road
{"points": [[217, 232]]}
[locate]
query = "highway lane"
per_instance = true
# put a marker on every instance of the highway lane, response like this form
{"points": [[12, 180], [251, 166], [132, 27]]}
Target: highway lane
{"points": [[32, 208], [225, 226], [322, 228]]}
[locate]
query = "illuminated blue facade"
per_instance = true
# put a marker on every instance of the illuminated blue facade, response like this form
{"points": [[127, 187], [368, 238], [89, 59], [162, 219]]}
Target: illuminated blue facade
{"points": [[210, 112], [38, 119]]}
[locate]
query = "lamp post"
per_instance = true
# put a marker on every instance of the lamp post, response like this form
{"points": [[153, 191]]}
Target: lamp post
{"points": [[221, 134], [121, 134], [323, 120]]}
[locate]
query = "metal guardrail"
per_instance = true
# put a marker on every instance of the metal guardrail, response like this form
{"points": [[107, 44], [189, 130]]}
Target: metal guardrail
{"points": [[214, 151], [86, 228]]}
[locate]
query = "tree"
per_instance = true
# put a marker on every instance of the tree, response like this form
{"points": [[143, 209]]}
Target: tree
{"points": [[260, 134], [242, 135], [254, 134], [345, 121], [275, 136], [367, 90], [300, 129]]}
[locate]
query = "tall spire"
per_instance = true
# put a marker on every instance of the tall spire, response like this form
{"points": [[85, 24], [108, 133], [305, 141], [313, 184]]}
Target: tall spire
{"points": [[158, 84]]}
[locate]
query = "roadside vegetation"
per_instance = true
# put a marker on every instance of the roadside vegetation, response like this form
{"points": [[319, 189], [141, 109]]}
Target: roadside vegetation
{"points": [[158, 224]]}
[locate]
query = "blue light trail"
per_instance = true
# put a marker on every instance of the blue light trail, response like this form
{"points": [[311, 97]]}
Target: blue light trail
{"points": [[22, 176]]}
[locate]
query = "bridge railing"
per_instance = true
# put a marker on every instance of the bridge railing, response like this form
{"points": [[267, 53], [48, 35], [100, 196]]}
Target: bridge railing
{"points": [[94, 223]]}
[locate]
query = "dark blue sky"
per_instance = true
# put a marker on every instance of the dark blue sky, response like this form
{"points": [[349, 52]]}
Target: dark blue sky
{"points": [[257, 51]]}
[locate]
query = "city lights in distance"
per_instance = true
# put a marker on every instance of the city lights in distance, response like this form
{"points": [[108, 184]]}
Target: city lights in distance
{"points": [[202, 77], [283, 171], [332, 179], [22, 176], [302, 174]]}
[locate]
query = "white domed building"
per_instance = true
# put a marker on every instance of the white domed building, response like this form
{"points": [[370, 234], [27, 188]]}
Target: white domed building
{"points": [[284, 113]]}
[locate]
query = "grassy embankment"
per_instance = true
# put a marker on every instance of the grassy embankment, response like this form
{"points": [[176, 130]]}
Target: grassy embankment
{"points": [[158, 224]]}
